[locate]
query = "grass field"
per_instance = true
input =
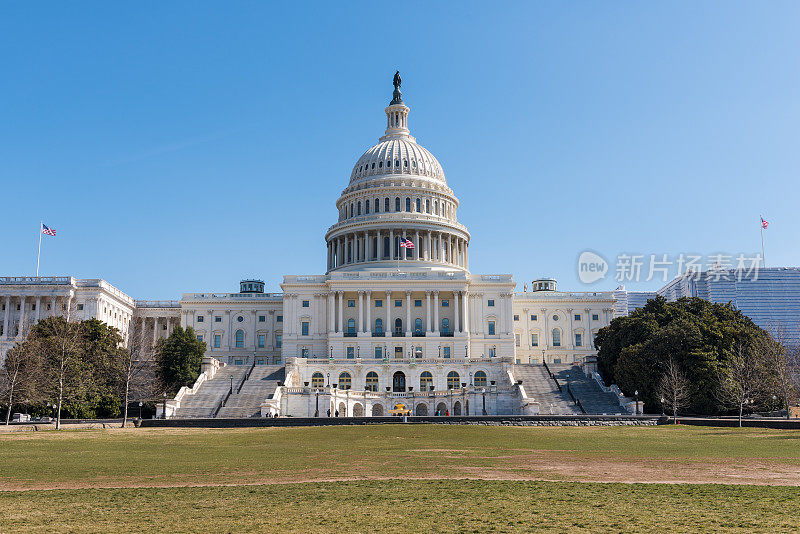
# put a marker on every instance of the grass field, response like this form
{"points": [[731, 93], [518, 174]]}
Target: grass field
{"points": [[396, 478]]}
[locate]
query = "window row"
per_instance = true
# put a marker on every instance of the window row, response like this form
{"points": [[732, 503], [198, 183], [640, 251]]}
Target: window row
{"points": [[412, 205], [372, 382]]}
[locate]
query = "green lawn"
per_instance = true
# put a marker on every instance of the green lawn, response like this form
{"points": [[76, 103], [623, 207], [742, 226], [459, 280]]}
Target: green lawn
{"points": [[396, 478]]}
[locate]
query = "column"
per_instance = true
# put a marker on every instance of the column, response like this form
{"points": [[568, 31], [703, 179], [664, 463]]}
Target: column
{"points": [[22, 300], [465, 312], [428, 326], [436, 312], [588, 329], [155, 330], [331, 311], [367, 247], [341, 312], [255, 327], [408, 313], [388, 326], [52, 306], [466, 255], [456, 322], [404, 251], [429, 247], [5, 319], [571, 334], [360, 312], [391, 244], [369, 312], [38, 307], [544, 341], [449, 250], [441, 248], [417, 245]]}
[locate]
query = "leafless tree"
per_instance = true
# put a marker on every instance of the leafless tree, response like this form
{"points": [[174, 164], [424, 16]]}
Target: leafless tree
{"points": [[17, 372], [138, 365], [674, 388], [781, 358], [61, 366], [744, 378]]}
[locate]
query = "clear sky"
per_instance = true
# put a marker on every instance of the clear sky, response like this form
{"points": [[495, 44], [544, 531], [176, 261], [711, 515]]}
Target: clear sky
{"points": [[180, 146]]}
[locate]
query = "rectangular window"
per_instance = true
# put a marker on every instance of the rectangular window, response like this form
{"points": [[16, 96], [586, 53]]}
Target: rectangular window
{"points": [[492, 352], [491, 328], [304, 352], [80, 307], [578, 340], [446, 352], [278, 340], [279, 319], [398, 304], [217, 340], [417, 303], [379, 303], [534, 340], [577, 317], [200, 318], [217, 319], [261, 340], [262, 318], [516, 339], [445, 303], [200, 338], [378, 353], [304, 326], [351, 303], [237, 362], [33, 307], [351, 353], [516, 317], [595, 317], [491, 303], [305, 304], [534, 317]]}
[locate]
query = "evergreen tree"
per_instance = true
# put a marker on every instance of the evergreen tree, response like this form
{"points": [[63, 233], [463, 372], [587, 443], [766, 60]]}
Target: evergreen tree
{"points": [[178, 359]]}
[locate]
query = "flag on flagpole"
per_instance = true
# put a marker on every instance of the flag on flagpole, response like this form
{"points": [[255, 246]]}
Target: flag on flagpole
{"points": [[406, 243], [46, 230], [764, 223]]}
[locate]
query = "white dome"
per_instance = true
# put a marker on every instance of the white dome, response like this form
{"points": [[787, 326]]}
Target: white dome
{"points": [[398, 156]]}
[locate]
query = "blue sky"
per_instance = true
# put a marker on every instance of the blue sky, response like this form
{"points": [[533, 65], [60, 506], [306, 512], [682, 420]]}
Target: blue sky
{"points": [[181, 146]]}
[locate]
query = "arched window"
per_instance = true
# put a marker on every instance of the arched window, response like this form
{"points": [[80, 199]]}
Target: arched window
{"points": [[427, 205], [351, 209], [398, 327], [419, 209], [386, 205], [453, 380], [480, 379], [239, 339], [379, 326], [436, 207], [386, 249], [372, 381], [366, 207], [556, 337], [425, 381], [408, 204], [359, 208], [397, 204], [418, 326], [377, 205], [345, 380], [351, 326], [317, 380], [445, 325]]}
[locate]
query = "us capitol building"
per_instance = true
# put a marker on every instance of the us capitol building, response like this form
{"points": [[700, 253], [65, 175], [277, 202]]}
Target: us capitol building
{"points": [[397, 318]]}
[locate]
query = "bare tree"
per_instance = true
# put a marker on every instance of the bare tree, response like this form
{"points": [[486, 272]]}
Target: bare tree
{"points": [[674, 388], [138, 365], [17, 371], [60, 350], [782, 361], [743, 378]]}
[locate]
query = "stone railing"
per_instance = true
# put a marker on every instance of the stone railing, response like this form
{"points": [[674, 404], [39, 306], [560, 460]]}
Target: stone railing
{"points": [[209, 368], [233, 296], [625, 402], [32, 280], [157, 303], [393, 361]]}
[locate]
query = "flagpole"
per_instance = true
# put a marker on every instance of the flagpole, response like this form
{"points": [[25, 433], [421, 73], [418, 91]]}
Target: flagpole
{"points": [[763, 256], [38, 254]]}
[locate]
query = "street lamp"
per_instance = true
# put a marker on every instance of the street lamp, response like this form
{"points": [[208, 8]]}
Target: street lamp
{"points": [[636, 395], [164, 407], [55, 415], [483, 393], [231, 385], [316, 411], [662, 406], [140, 409]]}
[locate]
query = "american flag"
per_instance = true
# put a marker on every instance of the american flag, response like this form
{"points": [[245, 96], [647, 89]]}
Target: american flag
{"points": [[406, 243], [764, 223], [46, 230]]}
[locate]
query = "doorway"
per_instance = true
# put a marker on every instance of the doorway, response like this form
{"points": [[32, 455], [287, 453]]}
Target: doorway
{"points": [[399, 382]]}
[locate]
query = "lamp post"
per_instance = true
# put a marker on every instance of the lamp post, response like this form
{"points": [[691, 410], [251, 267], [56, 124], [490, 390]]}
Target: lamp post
{"points": [[543, 360], [140, 409], [231, 385], [662, 406], [483, 393], [636, 396], [316, 410], [164, 407], [331, 353], [55, 415]]}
